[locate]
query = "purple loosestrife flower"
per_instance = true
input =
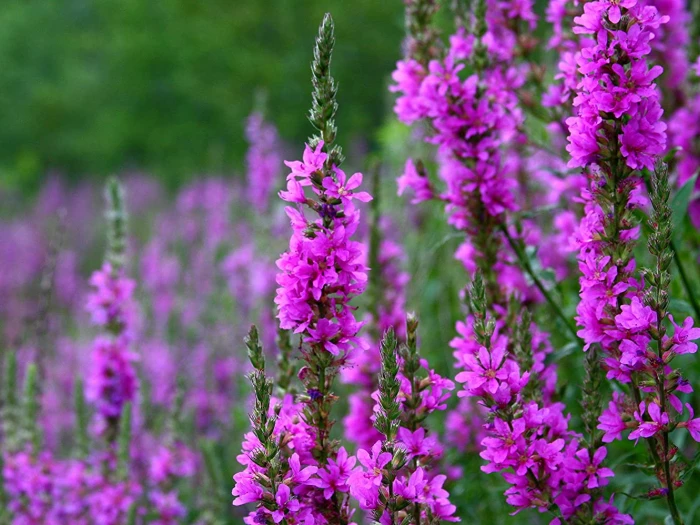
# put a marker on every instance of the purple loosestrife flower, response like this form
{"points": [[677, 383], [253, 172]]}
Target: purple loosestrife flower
{"points": [[475, 122], [319, 275], [403, 463], [300, 476], [263, 161], [339, 187], [110, 301], [373, 463], [647, 429], [530, 444], [472, 123], [486, 369], [300, 473], [683, 336], [635, 317], [589, 469], [417, 444], [417, 182], [607, 281], [612, 421], [692, 424], [334, 477], [48, 490], [625, 317], [622, 90], [112, 382], [322, 271]]}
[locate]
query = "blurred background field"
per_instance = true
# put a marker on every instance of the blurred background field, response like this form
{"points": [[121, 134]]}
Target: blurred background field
{"points": [[91, 88], [159, 93]]}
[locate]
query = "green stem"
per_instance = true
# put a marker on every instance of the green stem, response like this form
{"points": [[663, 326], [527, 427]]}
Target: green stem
{"points": [[525, 265], [686, 281], [670, 496], [323, 419]]}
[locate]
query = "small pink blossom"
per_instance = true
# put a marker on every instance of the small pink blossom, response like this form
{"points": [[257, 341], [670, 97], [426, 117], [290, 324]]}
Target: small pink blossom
{"points": [[647, 429]]}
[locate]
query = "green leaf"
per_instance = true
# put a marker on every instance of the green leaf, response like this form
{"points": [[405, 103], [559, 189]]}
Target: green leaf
{"points": [[565, 351], [692, 465], [681, 306], [679, 206]]}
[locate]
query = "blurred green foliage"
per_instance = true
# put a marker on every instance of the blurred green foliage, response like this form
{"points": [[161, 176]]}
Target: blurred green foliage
{"points": [[93, 87]]}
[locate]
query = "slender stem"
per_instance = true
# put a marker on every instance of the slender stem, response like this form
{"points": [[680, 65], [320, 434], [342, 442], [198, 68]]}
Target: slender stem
{"points": [[392, 500], [324, 413], [525, 264], [670, 496], [686, 281], [416, 513], [661, 388]]}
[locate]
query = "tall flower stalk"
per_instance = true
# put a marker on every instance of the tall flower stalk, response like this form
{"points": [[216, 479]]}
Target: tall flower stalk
{"points": [[112, 382], [399, 481], [319, 275], [476, 122], [322, 272], [616, 133], [263, 160]]}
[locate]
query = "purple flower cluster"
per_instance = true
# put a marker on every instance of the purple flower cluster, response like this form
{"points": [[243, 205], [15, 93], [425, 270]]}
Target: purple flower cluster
{"points": [[305, 487], [419, 482], [529, 443], [471, 120], [413, 488], [321, 272], [50, 491], [616, 81], [110, 301], [112, 381], [612, 312], [634, 330], [476, 122], [168, 465], [620, 313], [263, 161], [605, 235]]}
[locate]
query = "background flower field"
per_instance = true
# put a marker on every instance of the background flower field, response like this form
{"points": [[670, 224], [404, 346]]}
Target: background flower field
{"points": [[149, 161]]}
